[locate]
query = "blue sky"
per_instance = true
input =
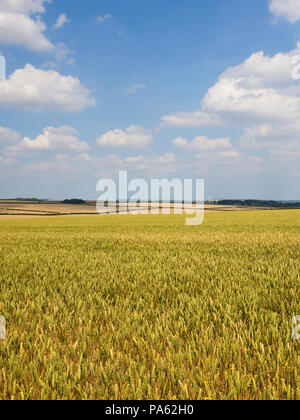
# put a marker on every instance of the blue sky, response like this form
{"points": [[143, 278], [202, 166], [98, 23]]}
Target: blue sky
{"points": [[181, 88]]}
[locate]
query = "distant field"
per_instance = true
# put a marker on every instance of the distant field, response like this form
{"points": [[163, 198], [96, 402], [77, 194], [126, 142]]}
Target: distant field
{"points": [[44, 208], [142, 307], [15, 208]]}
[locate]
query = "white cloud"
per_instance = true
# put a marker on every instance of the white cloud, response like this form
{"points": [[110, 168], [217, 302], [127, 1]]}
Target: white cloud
{"points": [[55, 138], [47, 166], [166, 158], [261, 97], [261, 70], [207, 153], [258, 90], [190, 119], [19, 26], [62, 52], [61, 20], [157, 165], [230, 154], [8, 136], [62, 157], [236, 101], [62, 138], [262, 130], [107, 165], [277, 140], [35, 89], [202, 144], [135, 88], [19, 29], [134, 136], [84, 157], [289, 9], [101, 19], [24, 6]]}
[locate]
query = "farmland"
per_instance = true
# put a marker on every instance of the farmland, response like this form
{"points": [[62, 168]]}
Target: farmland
{"points": [[59, 208], [143, 307]]}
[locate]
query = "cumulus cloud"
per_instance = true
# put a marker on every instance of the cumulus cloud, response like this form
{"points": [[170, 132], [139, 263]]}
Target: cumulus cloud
{"points": [[107, 165], [277, 140], [133, 137], [55, 138], [289, 9], [191, 119], [62, 138], [261, 70], [8, 136], [24, 6], [35, 89], [61, 20], [143, 162], [260, 97], [19, 24], [202, 144], [19, 29], [259, 89], [210, 152], [166, 158], [237, 102], [206, 153], [273, 132], [153, 165], [230, 154]]}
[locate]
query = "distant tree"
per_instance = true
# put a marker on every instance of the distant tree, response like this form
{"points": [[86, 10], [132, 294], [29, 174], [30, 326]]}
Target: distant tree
{"points": [[74, 201], [261, 203]]}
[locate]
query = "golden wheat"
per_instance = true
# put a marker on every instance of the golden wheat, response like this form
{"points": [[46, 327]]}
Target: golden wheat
{"points": [[142, 307]]}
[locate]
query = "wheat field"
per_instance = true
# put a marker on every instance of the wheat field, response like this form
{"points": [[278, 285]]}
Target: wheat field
{"points": [[143, 307]]}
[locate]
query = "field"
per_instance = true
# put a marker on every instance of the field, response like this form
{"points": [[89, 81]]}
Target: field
{"points": [[142, 307], [58, 208]]}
